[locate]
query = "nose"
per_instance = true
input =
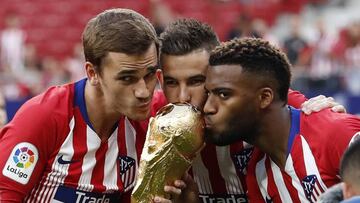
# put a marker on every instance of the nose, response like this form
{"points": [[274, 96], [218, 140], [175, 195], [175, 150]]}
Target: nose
{"points": [[184, 95], [141, 90], [209, 107]]}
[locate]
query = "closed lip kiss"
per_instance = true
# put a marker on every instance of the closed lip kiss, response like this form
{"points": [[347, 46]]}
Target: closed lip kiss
{"points": [[145, 104], [207, 122]]}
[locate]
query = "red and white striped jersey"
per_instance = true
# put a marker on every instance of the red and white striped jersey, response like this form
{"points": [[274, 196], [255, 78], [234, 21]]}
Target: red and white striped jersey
{"points": [[315, 146], [220, 171], [50, 152]]}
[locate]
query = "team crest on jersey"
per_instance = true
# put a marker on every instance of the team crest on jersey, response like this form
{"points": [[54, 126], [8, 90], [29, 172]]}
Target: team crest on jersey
{"points": [[126, 163], [21, 162], [127, 171], [242, 158], [309, 183]]}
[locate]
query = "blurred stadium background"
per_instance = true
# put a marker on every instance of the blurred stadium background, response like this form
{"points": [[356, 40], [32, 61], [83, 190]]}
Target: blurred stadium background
{"points": [[41, 39]]}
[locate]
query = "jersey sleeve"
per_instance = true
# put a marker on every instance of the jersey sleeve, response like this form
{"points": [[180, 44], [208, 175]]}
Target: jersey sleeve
{"points": [[25, 145], [295, 98], [340, 134]]}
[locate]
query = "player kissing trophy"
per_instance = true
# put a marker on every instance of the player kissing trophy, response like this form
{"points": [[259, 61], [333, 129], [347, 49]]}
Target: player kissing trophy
{"points": [[174, 137]]}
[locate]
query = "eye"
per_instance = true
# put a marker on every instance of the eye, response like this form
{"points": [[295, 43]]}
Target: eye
{"points": [[196, 82], [150, 74], [224, 95], [171, 83], [128, 79]]}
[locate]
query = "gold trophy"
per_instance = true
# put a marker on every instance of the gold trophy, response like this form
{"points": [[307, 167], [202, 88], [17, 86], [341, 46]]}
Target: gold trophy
{"points": [[173, 138]]}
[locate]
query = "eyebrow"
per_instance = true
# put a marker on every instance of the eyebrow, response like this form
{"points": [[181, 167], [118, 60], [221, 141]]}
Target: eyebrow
{"points": [[153, 68], [168, 78], [218, 89], [135, 71], [127, 72], [199, 76]]}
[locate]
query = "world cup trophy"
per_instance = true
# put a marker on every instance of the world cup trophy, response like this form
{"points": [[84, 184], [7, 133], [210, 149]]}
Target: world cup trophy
{"points": [[174, 137]]}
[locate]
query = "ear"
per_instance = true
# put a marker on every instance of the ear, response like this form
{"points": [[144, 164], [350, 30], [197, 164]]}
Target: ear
{"points": [[91, 73], [265, 96], [160, 77]]}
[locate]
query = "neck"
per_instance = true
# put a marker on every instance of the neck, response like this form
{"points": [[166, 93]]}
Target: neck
{"points": [[101, 119], [274, 133]]}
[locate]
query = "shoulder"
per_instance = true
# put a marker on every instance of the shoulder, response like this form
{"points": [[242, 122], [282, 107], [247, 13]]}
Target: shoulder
{"points": [[55, 101], [295, 98], [331, 122], [327, 128]]}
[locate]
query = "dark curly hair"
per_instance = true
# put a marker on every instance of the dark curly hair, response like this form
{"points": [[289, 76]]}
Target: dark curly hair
{"points": [[256, 56], [186, 35]]}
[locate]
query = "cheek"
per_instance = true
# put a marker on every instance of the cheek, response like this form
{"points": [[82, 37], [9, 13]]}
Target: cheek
{"points": [[152, 84], [199, 99], [226, 113], [171, 94], [120, 98]]}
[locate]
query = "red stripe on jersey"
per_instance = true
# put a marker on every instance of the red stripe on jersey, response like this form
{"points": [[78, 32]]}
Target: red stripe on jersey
{"points": [[217, 182], [271, 187], [299, 161], [292, 190], [80, 149], [140, 128], [254, 194], [97, 176]]}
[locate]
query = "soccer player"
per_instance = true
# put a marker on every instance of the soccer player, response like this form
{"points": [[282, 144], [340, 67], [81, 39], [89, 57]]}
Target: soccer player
{"points": [[296, 156], [185, 49], [81, 142], [350, 172]]}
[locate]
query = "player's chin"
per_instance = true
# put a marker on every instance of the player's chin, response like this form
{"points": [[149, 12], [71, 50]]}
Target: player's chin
{"points": [[139, 115], [211, 136], [216, 138]]}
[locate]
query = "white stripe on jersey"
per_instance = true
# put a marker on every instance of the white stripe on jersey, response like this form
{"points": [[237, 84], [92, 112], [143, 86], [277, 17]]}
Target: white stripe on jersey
{"points": [[111, 159], [93, 143], [290, 170], [228, 171], [261, 178], [310, 164], [201, 175], [280, 184], [130, 176]]}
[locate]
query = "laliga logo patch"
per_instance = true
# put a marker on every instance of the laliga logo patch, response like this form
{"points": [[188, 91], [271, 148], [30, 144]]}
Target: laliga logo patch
{"points": [[21, 162], [24, 157]]}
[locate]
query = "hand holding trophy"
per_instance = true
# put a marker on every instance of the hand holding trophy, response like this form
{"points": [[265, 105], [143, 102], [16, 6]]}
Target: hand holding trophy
{"points": [[174, 137]]}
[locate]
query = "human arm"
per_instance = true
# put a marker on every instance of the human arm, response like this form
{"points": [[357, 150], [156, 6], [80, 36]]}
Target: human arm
{"points": [[315, 104], [25, 145]]}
